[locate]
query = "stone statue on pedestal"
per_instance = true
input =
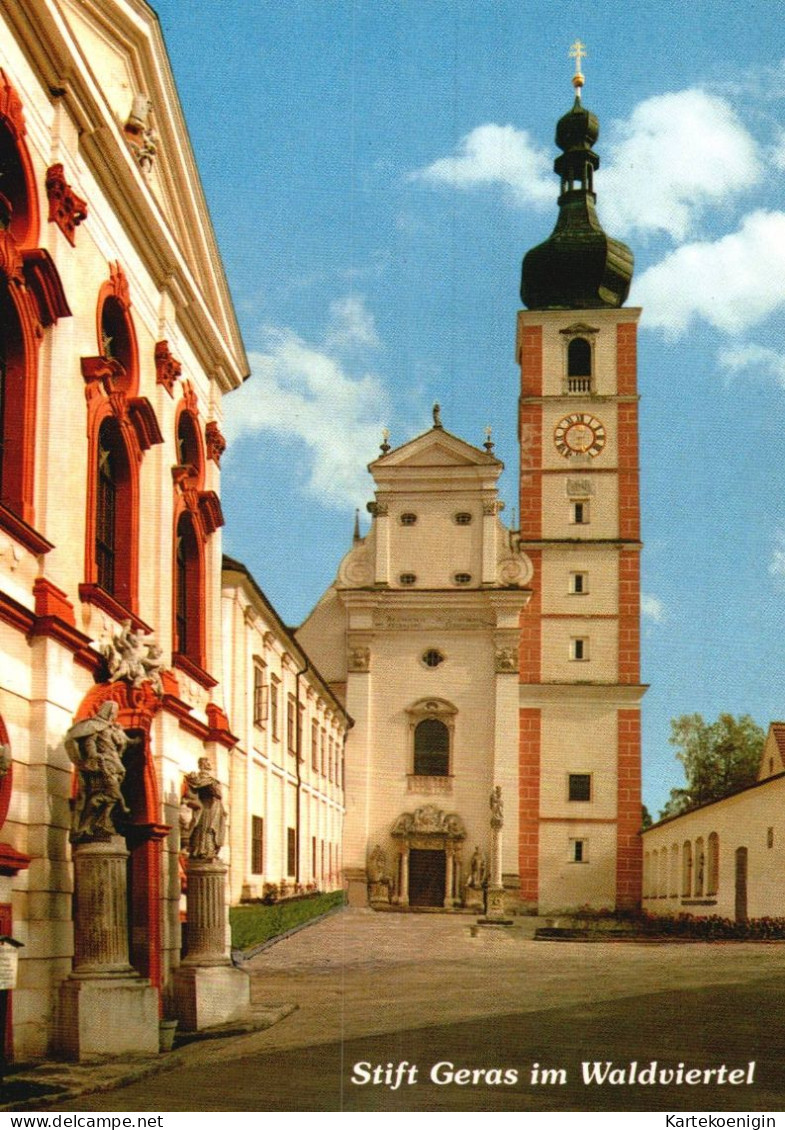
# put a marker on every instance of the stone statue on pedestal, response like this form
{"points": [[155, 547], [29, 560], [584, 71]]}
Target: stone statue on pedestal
{"points": [[208, 829], [96, 746]]}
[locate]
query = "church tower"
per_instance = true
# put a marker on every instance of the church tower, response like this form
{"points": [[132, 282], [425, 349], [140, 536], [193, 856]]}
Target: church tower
{"points": [[580, 692]]}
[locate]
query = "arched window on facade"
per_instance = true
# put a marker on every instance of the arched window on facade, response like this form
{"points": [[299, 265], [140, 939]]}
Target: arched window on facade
{"points": [[686, 869], [579, 358], [663, 883], [674, 872], [197, 514], [121, 426], [700, 867], [713, 865], [113, 549], [188, 592], [431, 748], [31, 299], [432, 728]]}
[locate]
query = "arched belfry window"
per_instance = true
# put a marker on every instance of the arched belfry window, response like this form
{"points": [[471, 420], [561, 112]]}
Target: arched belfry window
{"points": [[432, 727], [579, 358]]}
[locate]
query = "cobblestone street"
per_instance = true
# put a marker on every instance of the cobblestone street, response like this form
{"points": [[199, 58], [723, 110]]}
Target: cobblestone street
{"points": [[418, 989]]}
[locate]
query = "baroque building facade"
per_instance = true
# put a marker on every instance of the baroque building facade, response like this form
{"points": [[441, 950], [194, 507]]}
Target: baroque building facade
{"points": [[419, 634], [118, 344]]}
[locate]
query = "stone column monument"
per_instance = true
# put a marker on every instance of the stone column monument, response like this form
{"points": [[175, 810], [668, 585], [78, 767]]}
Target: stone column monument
{"points": [[108, 1009], [494, 911], [208, 989]]}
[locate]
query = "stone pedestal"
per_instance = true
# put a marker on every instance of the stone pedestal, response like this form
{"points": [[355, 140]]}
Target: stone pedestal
{"points": [[356, 882], [107, 1009], [495, 913], [208, 996], [208, 990]]}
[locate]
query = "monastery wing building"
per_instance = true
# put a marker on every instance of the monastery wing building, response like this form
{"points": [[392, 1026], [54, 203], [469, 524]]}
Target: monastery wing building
{"points": [[472, 656], [118, 344]]}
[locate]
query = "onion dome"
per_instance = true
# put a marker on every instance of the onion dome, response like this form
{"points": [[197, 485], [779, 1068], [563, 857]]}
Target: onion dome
{"points": [[579, 267]]}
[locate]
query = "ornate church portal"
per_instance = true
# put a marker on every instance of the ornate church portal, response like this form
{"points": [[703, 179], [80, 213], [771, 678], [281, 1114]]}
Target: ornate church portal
{"points": [[430, 860]]}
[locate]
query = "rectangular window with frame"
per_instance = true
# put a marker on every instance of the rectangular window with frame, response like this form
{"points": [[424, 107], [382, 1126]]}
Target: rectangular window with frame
{"points": [[261, 699], [275, 701], [579, 649], [291, 852], [291, 730], [315, 746], [579, 513], [579, 786], [322, 762], [579, 851], [579, 584], [257, 845]]}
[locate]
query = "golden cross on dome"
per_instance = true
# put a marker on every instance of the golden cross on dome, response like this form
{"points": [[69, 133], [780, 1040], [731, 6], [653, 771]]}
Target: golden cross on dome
{"points": [[578, 52]]}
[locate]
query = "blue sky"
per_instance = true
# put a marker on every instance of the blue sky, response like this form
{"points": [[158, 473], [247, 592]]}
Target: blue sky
{"points": [[376, 171]]}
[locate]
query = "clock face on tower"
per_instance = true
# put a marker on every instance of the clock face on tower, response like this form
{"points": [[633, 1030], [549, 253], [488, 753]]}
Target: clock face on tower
{"points": [[579, 434]]}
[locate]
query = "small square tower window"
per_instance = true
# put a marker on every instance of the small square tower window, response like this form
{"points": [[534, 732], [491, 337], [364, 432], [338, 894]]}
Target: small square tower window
{"points": [[432, 657], [462, 578], [463, 518], [579, 786], [579, 583], [407, 578], [408, 519]]}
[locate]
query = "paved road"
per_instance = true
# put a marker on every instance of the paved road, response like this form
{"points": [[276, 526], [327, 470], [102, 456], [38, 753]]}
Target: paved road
{"points": [[418, 990]]}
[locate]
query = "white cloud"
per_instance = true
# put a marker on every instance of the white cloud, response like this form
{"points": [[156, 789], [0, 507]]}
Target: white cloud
{"points": [[764, 361], [352, 324], [310, 393], [652, 608], [675, 155], [733, 283], [497, 155]]}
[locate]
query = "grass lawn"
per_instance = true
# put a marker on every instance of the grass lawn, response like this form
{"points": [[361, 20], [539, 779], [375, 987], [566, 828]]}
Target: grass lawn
{"points": [[255, 923]]}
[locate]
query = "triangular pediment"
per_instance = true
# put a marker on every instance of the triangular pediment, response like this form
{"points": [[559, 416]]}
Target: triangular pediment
{"points": [[105, 54], [435, 448]]}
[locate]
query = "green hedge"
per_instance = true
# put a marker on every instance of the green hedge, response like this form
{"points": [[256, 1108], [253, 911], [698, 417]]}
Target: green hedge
{"points": [[254, 923]]}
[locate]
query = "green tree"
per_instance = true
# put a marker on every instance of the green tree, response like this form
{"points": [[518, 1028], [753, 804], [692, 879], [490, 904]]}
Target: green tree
{"points": [[718, 758]]}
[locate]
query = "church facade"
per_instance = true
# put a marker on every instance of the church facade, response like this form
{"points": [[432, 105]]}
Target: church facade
{"points": [[507, 658]]}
